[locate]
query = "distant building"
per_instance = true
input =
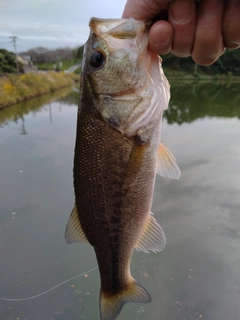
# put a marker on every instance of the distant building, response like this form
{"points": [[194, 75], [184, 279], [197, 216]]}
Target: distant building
{"points": [[26, 64]]}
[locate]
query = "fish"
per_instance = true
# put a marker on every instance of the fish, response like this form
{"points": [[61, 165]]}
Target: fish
{"points": [[118, 152]]}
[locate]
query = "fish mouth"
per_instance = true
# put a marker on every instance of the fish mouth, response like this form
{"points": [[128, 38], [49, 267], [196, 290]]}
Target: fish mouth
{"points": [[117, 28], [119, 38]]}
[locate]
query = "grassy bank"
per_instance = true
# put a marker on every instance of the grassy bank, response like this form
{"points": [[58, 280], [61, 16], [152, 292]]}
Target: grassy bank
{"points": [[17, 88]]}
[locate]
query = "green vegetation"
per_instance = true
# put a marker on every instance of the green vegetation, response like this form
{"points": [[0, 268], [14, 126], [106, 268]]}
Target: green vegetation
{"points": [[45, 59], [7, 61], [63, 58], [59, 65], [16, 88], [228, 64]]}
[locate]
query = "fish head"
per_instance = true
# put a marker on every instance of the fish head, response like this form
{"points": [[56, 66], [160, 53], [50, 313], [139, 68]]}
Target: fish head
{"points": [[121, 76], [111, 54]]}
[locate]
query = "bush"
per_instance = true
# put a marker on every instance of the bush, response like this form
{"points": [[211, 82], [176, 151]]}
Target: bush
{"points": [[7, 61]]}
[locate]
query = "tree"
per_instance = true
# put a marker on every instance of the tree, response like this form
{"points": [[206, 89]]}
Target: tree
{"points": [[228, 62], [79, 53], [7, 61]]}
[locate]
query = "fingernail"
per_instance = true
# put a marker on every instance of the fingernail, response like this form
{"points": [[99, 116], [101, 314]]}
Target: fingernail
{"points": [[161, 40], [181, 10]]}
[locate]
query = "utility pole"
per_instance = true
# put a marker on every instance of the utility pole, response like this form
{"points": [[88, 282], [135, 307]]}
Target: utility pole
{"points": [[14, 40]]}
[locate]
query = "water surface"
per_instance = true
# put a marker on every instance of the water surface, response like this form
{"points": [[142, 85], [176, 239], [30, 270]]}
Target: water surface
{"points": [[197, 276]]}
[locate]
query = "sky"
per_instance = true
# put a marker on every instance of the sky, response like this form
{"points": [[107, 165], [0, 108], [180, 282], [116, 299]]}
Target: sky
{"points": [[51, 23]]}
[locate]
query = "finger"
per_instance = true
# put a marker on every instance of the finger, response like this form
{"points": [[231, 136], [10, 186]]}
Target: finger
{"points": [[160, 37], [231, 24], [182, 16], [208, 45], [143, 9]]}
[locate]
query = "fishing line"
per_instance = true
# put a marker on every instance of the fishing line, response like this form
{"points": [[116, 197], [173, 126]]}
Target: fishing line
{"points": [[58, 285]]}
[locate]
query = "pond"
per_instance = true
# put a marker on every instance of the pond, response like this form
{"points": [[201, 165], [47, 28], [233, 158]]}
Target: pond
{"points": [[197, 276]]}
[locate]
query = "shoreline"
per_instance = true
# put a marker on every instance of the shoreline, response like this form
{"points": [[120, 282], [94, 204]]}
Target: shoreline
{"points": [[19, 88]]}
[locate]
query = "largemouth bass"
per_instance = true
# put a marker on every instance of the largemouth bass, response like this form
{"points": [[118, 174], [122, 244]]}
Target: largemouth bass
{"points": [[117, 155]]}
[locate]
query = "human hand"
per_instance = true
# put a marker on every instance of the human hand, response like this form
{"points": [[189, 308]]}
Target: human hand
{"points": [[202, 29]]}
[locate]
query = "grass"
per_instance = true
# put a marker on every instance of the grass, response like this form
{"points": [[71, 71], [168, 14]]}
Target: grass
{"points": [[17, 88], [66, 64]]}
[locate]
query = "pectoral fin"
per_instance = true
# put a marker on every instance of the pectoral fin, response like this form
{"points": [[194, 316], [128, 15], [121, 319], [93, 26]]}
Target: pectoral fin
{"points": [[166, 164], [153, 237], [74, 232]]}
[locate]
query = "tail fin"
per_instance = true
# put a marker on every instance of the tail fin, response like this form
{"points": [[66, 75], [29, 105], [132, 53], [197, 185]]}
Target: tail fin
{"points": [[111, 305]]}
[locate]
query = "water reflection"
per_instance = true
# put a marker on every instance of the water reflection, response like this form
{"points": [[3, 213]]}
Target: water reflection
{"points": [[34, 106], [193, 101], [189, 101], [197, 276], [23, 129]]}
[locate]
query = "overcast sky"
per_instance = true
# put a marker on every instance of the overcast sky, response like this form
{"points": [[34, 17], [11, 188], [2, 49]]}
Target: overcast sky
{"points": [[51, 23]]}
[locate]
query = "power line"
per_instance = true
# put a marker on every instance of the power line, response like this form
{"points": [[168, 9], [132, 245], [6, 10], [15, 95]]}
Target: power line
{"points": [[5, 42]]}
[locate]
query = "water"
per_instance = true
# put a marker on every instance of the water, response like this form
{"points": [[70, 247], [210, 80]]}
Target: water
{"points": [[197, 276]]}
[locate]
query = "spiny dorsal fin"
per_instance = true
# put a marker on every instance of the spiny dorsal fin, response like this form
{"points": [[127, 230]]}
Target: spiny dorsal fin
{"points": [[166, 164], [111, 304], [74, 232], [153, 237]]}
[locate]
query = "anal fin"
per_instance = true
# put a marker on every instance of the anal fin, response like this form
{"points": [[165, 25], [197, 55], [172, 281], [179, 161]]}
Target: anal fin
{"points": [[152, 238], [74, 232], [166, 164]]}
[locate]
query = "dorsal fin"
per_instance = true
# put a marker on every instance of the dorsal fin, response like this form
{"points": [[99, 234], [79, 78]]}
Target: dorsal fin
{"points": [[166, 164], [74, 232], [153, 237]]}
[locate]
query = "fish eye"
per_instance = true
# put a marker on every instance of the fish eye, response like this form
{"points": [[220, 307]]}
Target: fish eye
{"points": [[97, 59]]}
